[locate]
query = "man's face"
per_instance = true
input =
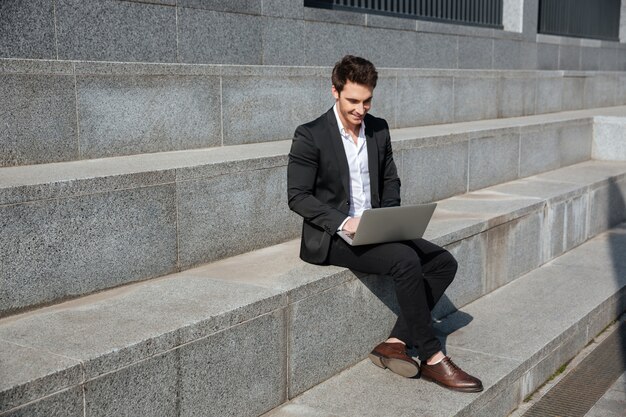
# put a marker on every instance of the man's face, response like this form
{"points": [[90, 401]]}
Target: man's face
{"points": [[353, 103]]}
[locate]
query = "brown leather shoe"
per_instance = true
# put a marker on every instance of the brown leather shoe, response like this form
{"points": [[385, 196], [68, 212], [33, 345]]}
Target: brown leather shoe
{"points": [[394, 357], [447, 374]]}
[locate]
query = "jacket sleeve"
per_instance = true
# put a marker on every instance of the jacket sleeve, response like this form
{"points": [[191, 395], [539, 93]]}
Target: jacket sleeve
{"points": [[302, 176], [390, 195]]}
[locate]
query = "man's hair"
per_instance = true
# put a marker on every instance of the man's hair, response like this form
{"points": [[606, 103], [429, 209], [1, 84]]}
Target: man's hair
{"points": [[355, 69]]}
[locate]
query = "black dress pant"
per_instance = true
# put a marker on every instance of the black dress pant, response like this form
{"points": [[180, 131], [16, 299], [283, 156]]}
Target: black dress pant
{"points": [[421, 272]]}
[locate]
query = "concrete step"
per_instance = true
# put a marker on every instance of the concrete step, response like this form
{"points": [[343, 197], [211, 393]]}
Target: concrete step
{"points": [[513, 338], [58, 111], [242, 335], [73, 228]]}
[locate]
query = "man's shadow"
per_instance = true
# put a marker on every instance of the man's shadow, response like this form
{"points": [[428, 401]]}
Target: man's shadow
{"points": [[616, 215], [445, 322]]}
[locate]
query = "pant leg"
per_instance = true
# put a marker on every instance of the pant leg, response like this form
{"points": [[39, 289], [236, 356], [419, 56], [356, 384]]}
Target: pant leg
{"points": [[401, 261], [439, 268]]}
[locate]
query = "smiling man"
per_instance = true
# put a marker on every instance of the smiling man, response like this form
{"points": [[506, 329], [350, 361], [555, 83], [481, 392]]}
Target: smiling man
{"points": [[342, 164]]}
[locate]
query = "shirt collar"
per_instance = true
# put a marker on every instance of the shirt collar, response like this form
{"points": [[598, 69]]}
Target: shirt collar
{"points": [[342, 131]]}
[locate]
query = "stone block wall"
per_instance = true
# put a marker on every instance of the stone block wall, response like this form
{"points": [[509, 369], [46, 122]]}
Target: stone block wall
{"points": [[66, 111], [283, 32]]}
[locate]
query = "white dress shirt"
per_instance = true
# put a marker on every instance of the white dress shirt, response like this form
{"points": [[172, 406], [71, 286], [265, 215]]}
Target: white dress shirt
{"points": [[360, 197]]}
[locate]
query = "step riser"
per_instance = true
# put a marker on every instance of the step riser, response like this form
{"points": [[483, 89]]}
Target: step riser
{"points": [[74, 246], [64, 111], [73, 238], [609, 139]]}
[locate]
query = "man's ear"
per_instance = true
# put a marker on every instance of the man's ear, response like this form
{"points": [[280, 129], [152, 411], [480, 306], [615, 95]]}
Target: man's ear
{"points": [[335, 92]]}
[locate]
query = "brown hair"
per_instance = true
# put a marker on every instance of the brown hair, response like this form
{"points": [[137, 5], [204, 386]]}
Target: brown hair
{"points": [[355, 69]]}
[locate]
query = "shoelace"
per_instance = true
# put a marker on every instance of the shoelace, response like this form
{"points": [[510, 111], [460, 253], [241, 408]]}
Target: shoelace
{"points": [[452, 365]]}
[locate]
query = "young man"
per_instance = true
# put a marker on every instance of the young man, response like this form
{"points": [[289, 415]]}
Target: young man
{"points": [[340, 165]]}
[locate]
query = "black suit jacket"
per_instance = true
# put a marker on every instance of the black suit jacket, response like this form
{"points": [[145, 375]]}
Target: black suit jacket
{"points": [[318, 179]]}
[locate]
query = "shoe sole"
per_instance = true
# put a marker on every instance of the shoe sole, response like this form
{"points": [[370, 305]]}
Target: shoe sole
{"points": [[459, 389], [400, 367]]}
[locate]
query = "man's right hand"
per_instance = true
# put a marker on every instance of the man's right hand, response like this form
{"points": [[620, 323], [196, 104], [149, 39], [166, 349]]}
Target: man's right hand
{"points": [[351, 225]]}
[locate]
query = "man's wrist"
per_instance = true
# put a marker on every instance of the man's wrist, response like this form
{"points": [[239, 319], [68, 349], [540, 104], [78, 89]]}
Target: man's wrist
{"points": [[343, 224]]}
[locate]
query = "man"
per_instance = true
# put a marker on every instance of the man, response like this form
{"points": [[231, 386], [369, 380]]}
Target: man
{"points": [[342, 164]]}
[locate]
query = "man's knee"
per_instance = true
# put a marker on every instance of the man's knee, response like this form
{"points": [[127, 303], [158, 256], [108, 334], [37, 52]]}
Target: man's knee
{"points": [[448, 263], [406, 265]]}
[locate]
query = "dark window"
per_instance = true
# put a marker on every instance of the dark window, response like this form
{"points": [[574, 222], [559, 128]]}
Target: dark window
{"points": [[597, 19], [486, 13]]}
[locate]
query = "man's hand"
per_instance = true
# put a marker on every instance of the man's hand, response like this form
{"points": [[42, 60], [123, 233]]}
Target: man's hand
{"points": [[351, 225]]}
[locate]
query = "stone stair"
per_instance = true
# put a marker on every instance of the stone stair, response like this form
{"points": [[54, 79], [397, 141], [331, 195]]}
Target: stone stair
{"points": [[242, 335], [149, 264], [122, 219], [514, 338]]}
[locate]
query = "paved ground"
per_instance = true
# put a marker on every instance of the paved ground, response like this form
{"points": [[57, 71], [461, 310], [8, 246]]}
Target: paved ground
{"points": [[613, 402]]}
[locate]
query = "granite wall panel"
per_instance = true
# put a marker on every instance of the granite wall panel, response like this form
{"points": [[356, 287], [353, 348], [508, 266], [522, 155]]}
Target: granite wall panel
{"points": [[384, 104], [475, 53], [509, 254], [283, 8], [590, 58], [424, 101], [575, 143], [211, 37], [507, 54], [68, 403], [320, 348], [27, 29], [516, 96], [435, 50], [539, 151], [468, 283], [484, 169], [283, 41], [549, 95], [569, 57], [475, 98], [111, 30], [220, 216], [547, 56], [240, 371], [422, 168], [60, 248], [122, 115], [607, 206], [600, 91], [260, 109], [528, 55], [37, 119], [573, 93], [146, 388]]}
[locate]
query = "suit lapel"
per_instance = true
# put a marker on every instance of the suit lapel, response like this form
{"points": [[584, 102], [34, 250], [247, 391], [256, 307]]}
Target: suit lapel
{"points": [[372, 159], [340, 152]]}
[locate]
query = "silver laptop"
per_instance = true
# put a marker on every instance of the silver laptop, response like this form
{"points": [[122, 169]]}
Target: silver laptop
{"points": [[391, 224]]}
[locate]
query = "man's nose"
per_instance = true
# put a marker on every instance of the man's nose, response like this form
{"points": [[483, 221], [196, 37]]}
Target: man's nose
{"points": [[360, 108]]}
